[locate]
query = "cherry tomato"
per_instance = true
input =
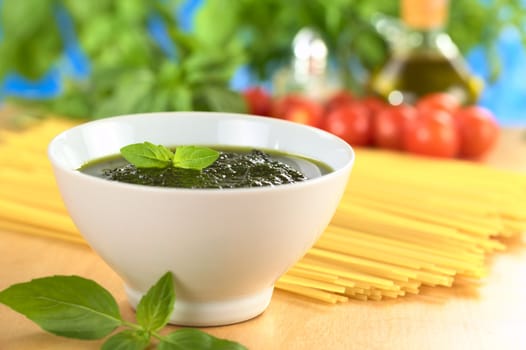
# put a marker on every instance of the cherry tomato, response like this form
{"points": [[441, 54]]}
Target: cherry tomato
{"points": [[258, 100], [338, 98], [433, 134], [350, 121], [298, 109], [390, 123], [438, 100], [478, 131]]}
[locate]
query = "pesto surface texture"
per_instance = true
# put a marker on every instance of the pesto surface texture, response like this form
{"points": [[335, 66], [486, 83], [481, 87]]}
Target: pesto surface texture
{"points": [[235, 168]]}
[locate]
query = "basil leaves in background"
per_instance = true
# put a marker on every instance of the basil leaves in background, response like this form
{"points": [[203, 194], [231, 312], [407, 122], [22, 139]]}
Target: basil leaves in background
{"points": [[75, 307], [126, 68], [130, 72]]}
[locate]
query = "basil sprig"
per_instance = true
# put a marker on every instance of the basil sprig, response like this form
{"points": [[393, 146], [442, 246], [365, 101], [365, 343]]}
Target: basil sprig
{"points": [[75, 307], [148, 155]]}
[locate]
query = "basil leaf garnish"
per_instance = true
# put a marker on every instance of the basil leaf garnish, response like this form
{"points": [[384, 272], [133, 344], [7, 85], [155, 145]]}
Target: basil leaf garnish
{"points": [[155, 307], [69, 306], [76, 307], [188, 338], [147, 155], [127, 340], [194, 157]]}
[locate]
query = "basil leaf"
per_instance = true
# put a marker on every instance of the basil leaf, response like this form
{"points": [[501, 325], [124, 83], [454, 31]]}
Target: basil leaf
{"points": [[155, 307], [127, 340], [194, 157], [147, 155], [219, 99], [195, 339], [163, 153], [127, 96], [160, 100], [68, 306], [181, 99], [41, 34], [208, 31]]}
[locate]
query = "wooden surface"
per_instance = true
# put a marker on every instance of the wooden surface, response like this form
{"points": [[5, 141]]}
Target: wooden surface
{"points": [[488, 314]]}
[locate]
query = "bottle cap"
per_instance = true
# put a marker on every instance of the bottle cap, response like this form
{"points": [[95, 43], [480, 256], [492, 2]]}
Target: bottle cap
{"points": [[424, 14]]}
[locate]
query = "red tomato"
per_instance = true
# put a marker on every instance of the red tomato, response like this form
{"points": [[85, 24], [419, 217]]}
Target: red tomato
{"points": [[390, 123], [298, 109], [373, 104], [340, 97], [352, 122], [438, 100], [433, 134], [478, 131], [258, 100]]}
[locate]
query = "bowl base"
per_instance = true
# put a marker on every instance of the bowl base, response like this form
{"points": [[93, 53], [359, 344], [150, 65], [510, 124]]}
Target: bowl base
{"points": [[212, 313]]}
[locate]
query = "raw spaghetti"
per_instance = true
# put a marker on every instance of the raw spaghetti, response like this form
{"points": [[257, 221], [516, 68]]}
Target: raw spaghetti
{"points": [[404, 222]]}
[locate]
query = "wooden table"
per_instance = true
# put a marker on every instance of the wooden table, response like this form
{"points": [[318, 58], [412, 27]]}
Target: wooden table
{"points": [[490, 315]]}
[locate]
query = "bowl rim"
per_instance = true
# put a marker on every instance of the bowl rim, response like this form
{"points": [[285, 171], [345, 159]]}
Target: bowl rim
{"points": [[137, 187]]}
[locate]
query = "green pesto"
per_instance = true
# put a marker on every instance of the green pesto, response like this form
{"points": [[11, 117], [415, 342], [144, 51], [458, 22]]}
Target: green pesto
{"points": [[236, 167]]}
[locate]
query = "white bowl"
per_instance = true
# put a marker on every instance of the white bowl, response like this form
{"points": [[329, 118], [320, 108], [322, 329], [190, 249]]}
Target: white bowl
{"points": [[225, 248]]}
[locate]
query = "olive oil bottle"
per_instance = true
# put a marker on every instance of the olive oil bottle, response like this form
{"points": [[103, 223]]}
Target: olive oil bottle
{"points": [[424, 59], [308, 72]]}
